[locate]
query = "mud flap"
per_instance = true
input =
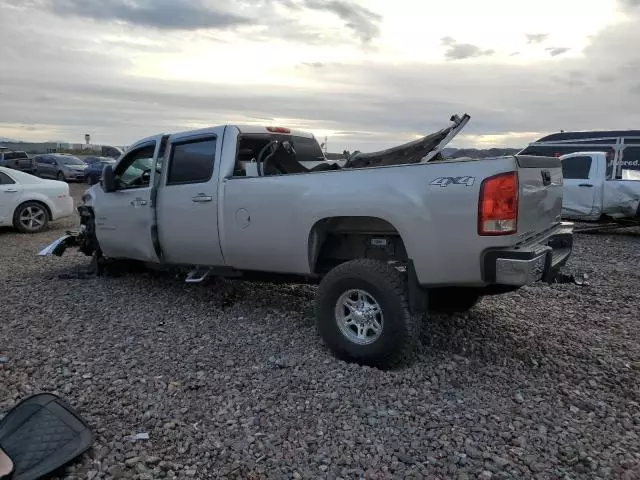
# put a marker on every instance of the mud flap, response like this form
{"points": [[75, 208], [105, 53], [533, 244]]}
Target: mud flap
{"points": [[418, 297], [39, 436]]}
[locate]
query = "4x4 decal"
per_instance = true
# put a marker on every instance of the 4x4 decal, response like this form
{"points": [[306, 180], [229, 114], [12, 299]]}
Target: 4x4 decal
{"points": [[446, 181]]}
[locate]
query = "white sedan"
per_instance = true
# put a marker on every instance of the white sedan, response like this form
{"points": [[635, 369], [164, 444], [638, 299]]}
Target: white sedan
{"points": [[29, 203]]}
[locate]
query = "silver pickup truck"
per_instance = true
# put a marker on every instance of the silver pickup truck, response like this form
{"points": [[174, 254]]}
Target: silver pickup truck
{"points": [[17, 160], [389, 235]]}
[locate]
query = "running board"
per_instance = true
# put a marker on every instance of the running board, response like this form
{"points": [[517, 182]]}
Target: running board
{"points": [[198, 274]]}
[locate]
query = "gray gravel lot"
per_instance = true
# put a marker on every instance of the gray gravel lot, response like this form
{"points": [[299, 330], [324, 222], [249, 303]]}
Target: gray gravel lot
{"points": [[230, 380]]}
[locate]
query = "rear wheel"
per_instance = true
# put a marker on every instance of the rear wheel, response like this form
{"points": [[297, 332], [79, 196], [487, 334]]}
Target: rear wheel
{"points": [[362, 314], [30, 217], [60, 176]]}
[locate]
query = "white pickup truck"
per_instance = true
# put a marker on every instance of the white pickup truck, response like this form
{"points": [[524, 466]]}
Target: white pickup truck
{"points": [[591, 191], [388, 235]]}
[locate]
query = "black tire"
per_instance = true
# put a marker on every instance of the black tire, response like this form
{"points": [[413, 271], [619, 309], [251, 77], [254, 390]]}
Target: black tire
{"points": [[400, 331], [453, 300], [31, 213], [60, 177]]}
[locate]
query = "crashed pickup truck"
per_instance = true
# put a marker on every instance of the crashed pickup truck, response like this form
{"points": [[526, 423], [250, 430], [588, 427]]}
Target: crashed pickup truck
{"points": [[592, 191], [388, 236]]}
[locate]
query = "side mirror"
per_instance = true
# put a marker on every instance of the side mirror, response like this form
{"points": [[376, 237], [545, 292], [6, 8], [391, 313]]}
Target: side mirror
{"points": [[108, 179]]}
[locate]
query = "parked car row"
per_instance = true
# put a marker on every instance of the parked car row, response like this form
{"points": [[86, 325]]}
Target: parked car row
{"points": [[65, 167], [34, 190], [60, 166], [29, 203]]}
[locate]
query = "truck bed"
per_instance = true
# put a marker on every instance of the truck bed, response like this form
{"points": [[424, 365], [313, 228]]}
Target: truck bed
{"points": [[432, 206]]}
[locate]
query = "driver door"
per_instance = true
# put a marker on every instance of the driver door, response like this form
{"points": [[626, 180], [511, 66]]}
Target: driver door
{"points": [[125, 218]]}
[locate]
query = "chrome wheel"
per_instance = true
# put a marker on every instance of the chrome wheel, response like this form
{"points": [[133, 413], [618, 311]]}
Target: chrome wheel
{"points": [[359, 317], [32, 217]]}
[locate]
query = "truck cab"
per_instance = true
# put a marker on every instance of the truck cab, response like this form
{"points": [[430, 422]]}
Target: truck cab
{"points": [[183, 177]]}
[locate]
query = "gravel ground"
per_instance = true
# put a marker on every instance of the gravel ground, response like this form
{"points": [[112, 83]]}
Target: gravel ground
{"points": [[230, 380]]}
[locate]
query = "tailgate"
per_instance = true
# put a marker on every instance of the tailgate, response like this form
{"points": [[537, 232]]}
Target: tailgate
{"points": [[540, 193]]}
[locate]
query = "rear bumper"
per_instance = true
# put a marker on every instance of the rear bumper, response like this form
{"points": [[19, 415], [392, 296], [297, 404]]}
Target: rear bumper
{"points": [[536, 260]]}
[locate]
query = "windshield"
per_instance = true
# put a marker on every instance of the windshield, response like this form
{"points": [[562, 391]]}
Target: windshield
{"points": [[70, 160]]}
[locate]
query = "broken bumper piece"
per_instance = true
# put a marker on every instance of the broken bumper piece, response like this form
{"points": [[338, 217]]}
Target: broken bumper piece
{"points": [[59, 246]]}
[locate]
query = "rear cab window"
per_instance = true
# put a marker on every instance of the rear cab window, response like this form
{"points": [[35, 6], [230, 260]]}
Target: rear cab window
{"points": [[249, 146], [629, 164]]}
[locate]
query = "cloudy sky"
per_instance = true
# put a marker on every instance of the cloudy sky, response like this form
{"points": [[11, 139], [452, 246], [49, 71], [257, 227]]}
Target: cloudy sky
{"points": [[367, 73]]}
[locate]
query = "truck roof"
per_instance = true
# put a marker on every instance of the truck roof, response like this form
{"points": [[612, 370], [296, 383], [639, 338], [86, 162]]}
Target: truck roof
{"points": [[588, 134], [242, 128]]}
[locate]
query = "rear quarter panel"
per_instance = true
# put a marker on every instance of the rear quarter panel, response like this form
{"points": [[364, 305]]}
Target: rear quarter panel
{"points": [[265, 222]]}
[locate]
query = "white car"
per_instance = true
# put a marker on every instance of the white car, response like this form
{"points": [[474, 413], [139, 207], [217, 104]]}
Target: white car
{"points": [[29, 203]]}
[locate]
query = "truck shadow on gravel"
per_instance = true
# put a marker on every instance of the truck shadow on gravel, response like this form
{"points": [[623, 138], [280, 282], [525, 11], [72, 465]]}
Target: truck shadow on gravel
{"points": [[220, 293], [483, 334], [478, 336]]}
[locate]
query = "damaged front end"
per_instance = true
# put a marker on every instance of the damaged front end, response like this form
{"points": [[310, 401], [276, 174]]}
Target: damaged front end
{"points": [[83, 239]]}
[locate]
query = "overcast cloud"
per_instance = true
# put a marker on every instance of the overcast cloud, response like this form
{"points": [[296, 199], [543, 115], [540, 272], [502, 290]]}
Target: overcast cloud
{"points": [[121, 70]]}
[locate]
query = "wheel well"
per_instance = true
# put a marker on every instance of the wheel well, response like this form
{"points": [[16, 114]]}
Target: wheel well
{"points": [[39, 202], [336, 240]]}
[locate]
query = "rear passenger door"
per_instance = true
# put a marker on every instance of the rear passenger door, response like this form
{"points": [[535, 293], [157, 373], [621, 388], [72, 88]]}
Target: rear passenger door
{"points": [[582, 193], [44, 166], [187, 202]]}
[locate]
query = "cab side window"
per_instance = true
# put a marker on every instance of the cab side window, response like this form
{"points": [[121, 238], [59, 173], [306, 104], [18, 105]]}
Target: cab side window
{"points": [[191, 161], [134, 170], [576, 168]]}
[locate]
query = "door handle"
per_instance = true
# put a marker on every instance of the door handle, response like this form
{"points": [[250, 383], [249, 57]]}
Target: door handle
{"points": [[585, 185], [138, 202], [10, 190], [201, 197]]}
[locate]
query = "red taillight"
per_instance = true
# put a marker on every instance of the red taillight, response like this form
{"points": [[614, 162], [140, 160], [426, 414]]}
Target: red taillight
{"points": [[498, 206], [278, 130]]}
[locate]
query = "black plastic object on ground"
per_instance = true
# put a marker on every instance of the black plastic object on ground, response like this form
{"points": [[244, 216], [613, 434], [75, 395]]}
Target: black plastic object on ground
{"points": [[42, 434]]}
